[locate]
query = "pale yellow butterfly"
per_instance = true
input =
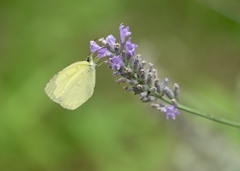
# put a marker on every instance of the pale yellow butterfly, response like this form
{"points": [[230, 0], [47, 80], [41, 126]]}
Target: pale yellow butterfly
{"points": [[74, 85]]}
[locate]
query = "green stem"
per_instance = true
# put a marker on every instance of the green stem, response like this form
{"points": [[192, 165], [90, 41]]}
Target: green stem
{"points": [[204, 115]]}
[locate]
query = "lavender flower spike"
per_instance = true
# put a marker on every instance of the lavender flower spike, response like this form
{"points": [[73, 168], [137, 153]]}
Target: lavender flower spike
{"points": [[142, 79], [126, 64]]}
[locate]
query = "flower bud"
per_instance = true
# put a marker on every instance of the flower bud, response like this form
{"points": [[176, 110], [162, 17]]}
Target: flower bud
{"points": [[144, 99], [168, 92], [154, 105], [103, 41], [153, 89], [133, 82], [116, 73], [154, 73], [149, 79], [127, 89], [143, 94], [151, 67], [142, 75], [151, 98], [176, 91], [144, 64], [158, 85], [136, 90], [136, 66], [142, 87], [122, 80]]}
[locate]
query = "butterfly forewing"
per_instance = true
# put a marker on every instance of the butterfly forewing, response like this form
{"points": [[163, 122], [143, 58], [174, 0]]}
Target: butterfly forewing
{"points": [[79, 89], [69, 86]]}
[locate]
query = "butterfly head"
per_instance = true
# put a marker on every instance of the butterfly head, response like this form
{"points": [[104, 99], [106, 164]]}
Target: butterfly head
{"points": [[91, 61]]}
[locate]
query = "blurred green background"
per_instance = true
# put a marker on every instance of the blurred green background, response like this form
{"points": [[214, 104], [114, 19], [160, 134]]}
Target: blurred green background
{"points": [[195, 43]]}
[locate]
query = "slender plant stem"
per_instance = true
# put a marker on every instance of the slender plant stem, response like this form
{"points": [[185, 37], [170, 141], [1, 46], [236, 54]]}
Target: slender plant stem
{"points": [[204, 115]]}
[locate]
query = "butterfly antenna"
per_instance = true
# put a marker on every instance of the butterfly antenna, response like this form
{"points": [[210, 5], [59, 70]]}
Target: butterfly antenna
{"points": [[96, 60], [101, 63]]}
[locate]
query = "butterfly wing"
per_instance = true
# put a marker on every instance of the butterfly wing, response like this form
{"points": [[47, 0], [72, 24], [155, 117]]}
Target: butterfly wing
{"points": [[79, 89], [72, 86]]}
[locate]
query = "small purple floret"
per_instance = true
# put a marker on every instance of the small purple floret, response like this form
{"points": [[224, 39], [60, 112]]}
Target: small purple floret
{"points": [[171, 111], [116, 62], [111, 40], [124, 32], [101, 52], [94, 46], [130, 47]]}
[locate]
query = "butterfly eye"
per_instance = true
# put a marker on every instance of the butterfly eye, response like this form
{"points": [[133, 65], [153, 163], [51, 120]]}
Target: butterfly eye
{"points": [[88, 59]]}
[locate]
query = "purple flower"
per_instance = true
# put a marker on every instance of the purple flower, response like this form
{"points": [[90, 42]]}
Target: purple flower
{"points": [[116, 62], [171, 111], [111, 41], [94, 46], [130, 47], [102, 51], [124, 32]]}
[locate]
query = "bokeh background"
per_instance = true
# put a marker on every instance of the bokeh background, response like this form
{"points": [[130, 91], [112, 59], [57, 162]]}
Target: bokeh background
{"points": [[195, 43]]}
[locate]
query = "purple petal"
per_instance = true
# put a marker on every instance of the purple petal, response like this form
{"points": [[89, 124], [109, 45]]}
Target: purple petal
{"points": [[111, 41], [130, 47], [103, 52], [94, 46], [116, 62], [124, 32], [171, 111]]}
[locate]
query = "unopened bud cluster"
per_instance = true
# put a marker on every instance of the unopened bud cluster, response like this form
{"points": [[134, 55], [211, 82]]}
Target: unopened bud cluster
{"points": [[147, 85]]}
